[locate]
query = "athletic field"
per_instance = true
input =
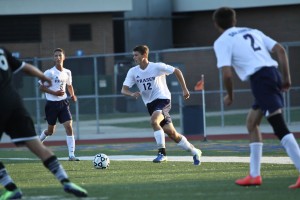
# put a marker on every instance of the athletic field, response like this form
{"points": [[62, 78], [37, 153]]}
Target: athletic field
{"points": [[132, 175]]}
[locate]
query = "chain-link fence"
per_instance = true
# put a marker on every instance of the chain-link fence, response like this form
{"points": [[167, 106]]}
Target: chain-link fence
{"points": [[97, 80]]}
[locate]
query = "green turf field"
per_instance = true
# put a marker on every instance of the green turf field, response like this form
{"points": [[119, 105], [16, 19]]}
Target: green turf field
{"points": [[146, 180]]}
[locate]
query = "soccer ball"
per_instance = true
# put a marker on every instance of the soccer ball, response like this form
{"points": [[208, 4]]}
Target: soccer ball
{"points": [[101, 161]]}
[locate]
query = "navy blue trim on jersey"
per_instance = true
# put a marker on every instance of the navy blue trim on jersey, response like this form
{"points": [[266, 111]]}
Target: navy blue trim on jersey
{"points": [[165, 106], [266, 88], [57, 110]]}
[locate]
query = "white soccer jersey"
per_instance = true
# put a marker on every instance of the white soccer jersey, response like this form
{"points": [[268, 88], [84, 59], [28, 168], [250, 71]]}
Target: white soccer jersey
{"points": [[247, 50], [59, 81], [150, 81]]}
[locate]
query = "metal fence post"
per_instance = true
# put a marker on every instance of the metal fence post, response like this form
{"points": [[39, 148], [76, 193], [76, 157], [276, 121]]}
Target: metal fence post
{"points": [[37, 99], [288, 100], [221, 99], [77, 119], [180, 112], [96, 94]]}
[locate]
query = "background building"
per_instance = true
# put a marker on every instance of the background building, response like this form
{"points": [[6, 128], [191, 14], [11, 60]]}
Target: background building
{"points": [[33, 28], [99, 35], [192, 24]]}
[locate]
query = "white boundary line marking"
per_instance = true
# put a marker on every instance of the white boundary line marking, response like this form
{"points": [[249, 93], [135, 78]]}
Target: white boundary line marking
{"points": [[235, 159], [204, 159]]}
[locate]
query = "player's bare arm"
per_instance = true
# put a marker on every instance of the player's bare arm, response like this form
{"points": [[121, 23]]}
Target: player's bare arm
{"points": [[125, 90], [71, 92], [283, 66], [228, 83], [180, 78], [45, 89], [33, 71]]}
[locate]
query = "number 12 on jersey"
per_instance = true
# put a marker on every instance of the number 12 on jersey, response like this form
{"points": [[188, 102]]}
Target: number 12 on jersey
{"points": [[147, 86]]}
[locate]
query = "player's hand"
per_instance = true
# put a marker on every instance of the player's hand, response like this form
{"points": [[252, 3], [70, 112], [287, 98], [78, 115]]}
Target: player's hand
{"points": [[228, 100], [46, 81], [59, 93], [186, 94], [286, 86], [74, 98], [135, 95]]}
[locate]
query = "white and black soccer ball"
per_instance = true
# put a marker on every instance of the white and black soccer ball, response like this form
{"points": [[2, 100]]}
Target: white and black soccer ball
{"points": [[101, 161]]}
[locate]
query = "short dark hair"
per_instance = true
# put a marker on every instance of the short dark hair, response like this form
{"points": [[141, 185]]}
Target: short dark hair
{"points": [[142, 49], [59, 50], [225, 17]]}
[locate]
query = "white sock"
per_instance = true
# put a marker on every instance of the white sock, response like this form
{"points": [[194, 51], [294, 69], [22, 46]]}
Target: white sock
{"points": [[292, 149], [160, 139], [71, 145], [255, 158], [43, 136], [184, 143]]}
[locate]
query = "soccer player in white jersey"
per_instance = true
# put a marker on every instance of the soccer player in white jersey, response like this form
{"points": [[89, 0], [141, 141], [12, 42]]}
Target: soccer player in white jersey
{"points": [[57, 106], [16, 122], [248, 52], [150, 79]]}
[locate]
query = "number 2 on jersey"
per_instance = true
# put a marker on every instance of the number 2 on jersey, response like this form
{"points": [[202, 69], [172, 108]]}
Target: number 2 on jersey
{"points": [[249, 36], [147, 86]]}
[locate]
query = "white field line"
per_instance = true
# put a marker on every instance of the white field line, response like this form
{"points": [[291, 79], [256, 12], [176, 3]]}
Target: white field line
{"points": [[204, 159], [235, 159]]}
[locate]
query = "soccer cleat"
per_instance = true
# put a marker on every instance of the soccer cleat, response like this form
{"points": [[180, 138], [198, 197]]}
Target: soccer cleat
{"points": [[197, 157], [15, 194], [73, 158], [249, 181], [72, 188], [160, 158], [296, 185]]}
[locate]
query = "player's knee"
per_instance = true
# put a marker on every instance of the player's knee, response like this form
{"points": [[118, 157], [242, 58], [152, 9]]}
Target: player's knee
{"points": [[251, 125], [154, 122], [69, 128], [279, 126]]}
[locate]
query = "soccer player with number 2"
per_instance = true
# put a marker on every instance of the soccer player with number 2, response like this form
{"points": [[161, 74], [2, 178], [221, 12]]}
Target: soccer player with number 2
{"points": [[248, 52]]}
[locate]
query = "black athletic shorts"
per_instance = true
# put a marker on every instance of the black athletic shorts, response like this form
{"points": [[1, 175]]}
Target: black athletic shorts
{"points": [[165, 106], [57, 110], [266, 88], [15, 120]]}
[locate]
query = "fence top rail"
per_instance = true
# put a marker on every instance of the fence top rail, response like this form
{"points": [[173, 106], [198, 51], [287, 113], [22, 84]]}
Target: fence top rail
{"points": [[296, 43], [173, 93], [172, 50]]}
